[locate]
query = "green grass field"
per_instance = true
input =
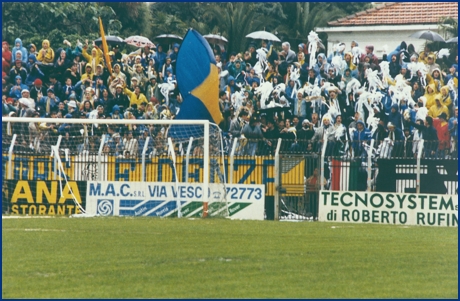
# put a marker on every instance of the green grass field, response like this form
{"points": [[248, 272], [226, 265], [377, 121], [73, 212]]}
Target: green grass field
{"points": [[212, 258]]}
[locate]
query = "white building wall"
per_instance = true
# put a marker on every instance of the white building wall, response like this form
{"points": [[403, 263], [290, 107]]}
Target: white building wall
{"points": [[391, 36]]}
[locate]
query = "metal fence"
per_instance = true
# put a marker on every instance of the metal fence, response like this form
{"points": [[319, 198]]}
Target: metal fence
{"points": [[293, 172]]}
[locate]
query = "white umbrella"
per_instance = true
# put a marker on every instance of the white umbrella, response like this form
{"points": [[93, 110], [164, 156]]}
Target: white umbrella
{"points": [[215, 39], [263, 35], [139, 41], [453, 40]]}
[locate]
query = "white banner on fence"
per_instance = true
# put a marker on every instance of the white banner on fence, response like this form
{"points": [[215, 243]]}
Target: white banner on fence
{"points": [[388, 208], [160, 199]]}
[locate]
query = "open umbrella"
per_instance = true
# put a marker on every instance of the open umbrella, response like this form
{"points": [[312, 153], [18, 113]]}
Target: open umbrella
{"points": [[427, 35], [168, 38], [111, 40], [263, 35], [215, 39], [453, 40], [139, 41]]}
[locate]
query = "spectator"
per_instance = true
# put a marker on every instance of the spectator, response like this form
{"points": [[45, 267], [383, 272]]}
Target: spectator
{"points": [[46, 54], [15, 90], [18, 47], [252, 132]]}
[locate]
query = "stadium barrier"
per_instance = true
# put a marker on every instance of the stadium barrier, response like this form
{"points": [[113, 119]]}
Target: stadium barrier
{"points": [[283, 170]]}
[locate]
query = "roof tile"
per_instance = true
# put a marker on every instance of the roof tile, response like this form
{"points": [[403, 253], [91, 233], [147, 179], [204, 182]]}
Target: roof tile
{"points": [[401, 13]]}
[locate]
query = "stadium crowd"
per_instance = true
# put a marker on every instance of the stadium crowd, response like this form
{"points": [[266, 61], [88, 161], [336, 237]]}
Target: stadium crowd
{"points": [[298, 94]]}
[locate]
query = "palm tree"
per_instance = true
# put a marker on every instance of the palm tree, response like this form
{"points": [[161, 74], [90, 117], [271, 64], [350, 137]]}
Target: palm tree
{"points": [[233, 20]]}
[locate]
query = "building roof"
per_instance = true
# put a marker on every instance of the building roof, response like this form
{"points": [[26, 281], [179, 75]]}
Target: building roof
{"points": [[401, 13]]}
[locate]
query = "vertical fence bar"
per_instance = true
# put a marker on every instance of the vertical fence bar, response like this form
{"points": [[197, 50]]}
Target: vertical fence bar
{"points": [[187, 158], [144, 151], [418, 170], [369, 165], [232, 160], [10, 157], [99, 158], [277, 173], [323, 153]]}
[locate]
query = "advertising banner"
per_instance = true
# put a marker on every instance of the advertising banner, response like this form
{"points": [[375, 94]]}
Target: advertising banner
{"points": [[161, 199], [45, 197], [388, 208]]}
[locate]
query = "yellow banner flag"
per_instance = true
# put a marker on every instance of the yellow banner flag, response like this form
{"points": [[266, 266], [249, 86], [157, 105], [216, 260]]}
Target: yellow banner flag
{"points": [[105, 48]]}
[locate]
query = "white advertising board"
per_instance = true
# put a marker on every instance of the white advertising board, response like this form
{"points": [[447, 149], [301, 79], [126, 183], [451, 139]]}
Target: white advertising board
{"points": [[388, 208], [161, 199]]}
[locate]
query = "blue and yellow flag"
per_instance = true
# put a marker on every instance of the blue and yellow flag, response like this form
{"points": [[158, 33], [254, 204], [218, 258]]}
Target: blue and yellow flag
{"points": [[198, 80]]}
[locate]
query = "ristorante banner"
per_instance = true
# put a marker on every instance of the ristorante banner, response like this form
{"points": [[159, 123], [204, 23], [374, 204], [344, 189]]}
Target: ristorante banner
{"points": [[388, 208]]}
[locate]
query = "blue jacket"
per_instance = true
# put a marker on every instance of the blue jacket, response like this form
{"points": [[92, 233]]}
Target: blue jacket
{"points": [[14, 91], [20, 48]]}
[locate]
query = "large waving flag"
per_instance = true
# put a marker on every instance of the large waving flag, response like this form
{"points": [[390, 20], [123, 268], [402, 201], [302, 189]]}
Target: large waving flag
{"points": [[105, 48], [198, 80]]}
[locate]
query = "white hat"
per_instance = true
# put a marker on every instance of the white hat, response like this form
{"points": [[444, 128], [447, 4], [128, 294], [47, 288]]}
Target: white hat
{"points": [[24, 90], [72, 104], [390, 125]]}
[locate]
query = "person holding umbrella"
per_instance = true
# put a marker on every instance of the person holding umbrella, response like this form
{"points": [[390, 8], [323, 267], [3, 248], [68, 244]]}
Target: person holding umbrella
{"points": [[160, 58], [423, 55]]}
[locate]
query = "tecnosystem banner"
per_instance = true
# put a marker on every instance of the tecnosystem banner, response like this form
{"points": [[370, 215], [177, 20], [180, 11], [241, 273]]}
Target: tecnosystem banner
{"points": [[388, 208], [161, 199]]}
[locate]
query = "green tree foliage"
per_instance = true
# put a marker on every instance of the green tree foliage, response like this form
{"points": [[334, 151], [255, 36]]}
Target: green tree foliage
{"points": [[33, 22], [135, 17], [56, 21]]}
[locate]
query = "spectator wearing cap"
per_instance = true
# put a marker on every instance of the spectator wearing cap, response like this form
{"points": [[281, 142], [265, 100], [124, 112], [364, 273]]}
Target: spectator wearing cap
{"points": [[153, 89], [120, 99], [50, 101], [16, 70], [101, 73], [17, 88], [37, 90]]}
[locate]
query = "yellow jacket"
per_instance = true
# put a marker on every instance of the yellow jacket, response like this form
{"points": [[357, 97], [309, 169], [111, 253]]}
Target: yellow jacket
{"points": [[48, 57], [435, 111], [133, 99], [94, 60], [431, 97]]}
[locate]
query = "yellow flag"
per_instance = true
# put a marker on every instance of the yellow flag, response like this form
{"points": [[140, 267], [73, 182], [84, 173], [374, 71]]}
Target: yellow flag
{"points": [[105, 48]]}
